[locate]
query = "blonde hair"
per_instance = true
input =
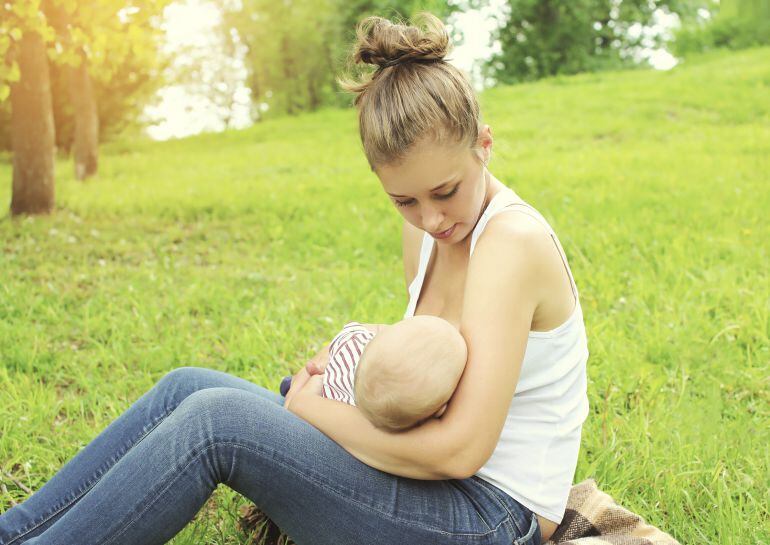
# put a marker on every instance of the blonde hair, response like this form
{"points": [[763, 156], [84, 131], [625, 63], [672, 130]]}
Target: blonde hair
{"points": [[414, 93]]}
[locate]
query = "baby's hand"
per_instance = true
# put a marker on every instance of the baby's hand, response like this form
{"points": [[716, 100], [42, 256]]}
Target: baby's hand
{"points": [[317, 364], [313, 367]]}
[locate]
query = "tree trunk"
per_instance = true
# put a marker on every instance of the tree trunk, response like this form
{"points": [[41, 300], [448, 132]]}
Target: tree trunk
{"points": [[32, 130], [86, 145]]}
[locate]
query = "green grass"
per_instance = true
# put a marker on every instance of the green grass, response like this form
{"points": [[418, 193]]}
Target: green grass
{"points": [[227, 251]]}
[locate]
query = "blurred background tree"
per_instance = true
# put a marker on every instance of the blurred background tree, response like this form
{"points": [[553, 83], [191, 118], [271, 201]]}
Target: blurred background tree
{"points": [[96, 66], [541, 38], [24, 78], [738, 24], [106, 67], [294, 50], [79, 73]]}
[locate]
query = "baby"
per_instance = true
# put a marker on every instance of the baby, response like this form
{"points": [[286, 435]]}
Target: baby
{"points": [[397, 375]]}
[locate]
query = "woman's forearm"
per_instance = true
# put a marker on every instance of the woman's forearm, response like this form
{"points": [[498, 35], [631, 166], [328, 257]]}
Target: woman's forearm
{"points": [[419, 453]]}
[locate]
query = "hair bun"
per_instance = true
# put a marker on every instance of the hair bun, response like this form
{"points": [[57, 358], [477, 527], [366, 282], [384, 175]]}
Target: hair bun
{"points": [[383, 43]]}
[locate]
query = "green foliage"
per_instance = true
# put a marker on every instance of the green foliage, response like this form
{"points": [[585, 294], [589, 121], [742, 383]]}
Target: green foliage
{"points": [[17, 17], [118, 38], [738, 25], [290, 55], [548, 37], [120, 100], [227, 251], [296, 48], [106, 33]]}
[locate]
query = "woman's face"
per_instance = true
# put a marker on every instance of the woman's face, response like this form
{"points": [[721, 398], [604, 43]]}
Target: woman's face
{"points": [[439, 188]]}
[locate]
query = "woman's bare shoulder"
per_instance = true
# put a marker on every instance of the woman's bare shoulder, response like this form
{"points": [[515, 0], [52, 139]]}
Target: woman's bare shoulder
{"points": [[544, 274], [517, 225], [517, 229]]}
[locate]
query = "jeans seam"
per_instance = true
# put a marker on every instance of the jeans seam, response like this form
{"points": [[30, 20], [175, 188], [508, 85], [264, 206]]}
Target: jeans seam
{"points": [[533, 527], [473, 505], [89, 487], [178, 474], [514, 522]]}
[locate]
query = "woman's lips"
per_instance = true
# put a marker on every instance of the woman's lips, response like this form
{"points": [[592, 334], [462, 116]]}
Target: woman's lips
{"points": [[444, 234]]}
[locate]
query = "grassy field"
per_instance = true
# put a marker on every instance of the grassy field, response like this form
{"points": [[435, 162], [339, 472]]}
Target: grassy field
{"points": [[226, 251]]}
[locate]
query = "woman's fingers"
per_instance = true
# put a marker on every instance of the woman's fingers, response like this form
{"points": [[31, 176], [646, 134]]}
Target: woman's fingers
{"points": [[315, 384], [297, 382]]}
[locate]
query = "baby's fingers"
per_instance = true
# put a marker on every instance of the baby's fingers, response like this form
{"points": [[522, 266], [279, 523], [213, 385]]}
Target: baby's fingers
{"points": [[313, 368]]}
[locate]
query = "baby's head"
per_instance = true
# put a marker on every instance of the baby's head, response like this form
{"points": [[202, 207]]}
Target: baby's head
{"points": [[408, 372]]}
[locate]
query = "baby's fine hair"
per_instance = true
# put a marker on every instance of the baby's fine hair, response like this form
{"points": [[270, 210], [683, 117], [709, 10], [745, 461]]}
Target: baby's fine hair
{"points": [[413, 93], [396, 393]]}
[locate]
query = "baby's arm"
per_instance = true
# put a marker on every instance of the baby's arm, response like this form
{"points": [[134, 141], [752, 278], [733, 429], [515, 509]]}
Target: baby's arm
{"points": [[317, 364], [374, 328]]}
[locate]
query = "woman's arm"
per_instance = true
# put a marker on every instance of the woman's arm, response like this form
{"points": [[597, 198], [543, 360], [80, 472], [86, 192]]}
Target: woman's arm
{"points": [[317, 366], [419, 453], [503, 286]]}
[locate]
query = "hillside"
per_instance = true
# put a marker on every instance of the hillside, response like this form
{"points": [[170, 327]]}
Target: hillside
{"points": [[227, 251]]}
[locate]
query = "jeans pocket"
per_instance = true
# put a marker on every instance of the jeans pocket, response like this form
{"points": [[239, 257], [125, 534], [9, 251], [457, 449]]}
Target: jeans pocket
{"points": [[532, 537], [487, 508]]}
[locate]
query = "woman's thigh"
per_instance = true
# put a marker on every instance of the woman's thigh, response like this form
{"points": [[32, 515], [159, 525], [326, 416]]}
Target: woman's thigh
{"points": [[318, 493], [228, 430], [306, 483]]}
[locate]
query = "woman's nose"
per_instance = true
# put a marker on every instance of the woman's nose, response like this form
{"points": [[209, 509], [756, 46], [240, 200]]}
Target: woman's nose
{"points": [[432, 219]]}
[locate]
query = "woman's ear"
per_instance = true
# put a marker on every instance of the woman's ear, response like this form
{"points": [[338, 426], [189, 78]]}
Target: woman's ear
{"points": [[484, 143]]}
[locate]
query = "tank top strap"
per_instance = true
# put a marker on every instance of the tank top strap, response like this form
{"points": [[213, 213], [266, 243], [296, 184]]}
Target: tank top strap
{"points": [[528, 209], [426, 249]]}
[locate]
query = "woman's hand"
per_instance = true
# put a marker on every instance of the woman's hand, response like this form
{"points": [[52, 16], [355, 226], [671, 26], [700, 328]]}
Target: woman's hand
{"points": [[306, 385], [314, 385], [314, 366], [298, 381]]}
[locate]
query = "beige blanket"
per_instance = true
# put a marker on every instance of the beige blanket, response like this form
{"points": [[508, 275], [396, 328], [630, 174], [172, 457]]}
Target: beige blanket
{"points": [[592, 518]]}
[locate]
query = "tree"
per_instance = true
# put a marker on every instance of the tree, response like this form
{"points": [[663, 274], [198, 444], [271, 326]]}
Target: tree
{"points": [[24, 76], [93, 40], [287, 51], [105, 63], [542, 38], [295, 48], [748, 9], [737, 24]]}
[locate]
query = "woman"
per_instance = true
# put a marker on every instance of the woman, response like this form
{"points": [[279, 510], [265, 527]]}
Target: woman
{"points": [[495, 468]]}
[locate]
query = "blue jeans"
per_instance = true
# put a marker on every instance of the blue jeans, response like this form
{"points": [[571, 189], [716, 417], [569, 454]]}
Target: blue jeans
{"points": [[143, 478]]}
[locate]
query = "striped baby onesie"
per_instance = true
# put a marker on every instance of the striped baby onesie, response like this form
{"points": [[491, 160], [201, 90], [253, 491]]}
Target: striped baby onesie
{"points": [[344, 353]]}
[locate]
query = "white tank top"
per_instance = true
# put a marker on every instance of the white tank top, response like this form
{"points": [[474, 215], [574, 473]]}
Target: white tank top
{"points": [[536, 455]]}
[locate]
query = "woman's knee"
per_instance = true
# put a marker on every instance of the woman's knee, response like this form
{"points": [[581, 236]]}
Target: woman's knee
{"points": [[179, 376], [226, 410]]}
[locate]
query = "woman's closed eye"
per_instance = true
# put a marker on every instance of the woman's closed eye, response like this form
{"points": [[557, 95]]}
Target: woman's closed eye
{"points": [[410, 202]]}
